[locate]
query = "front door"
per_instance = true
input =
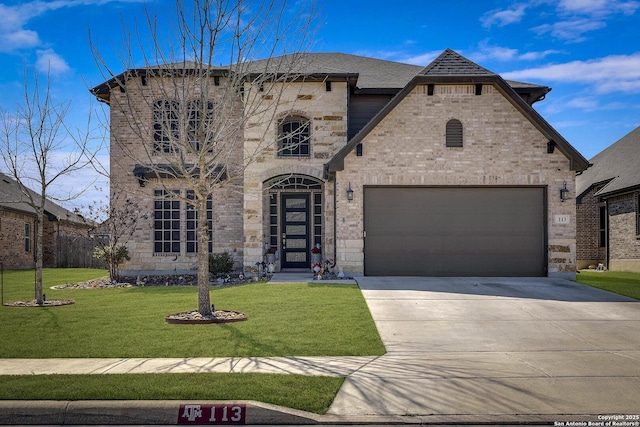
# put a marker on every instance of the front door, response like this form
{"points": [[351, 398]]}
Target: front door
{"points": [[295, 231]]}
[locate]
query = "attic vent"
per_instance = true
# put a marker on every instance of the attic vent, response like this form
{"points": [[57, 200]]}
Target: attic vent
{"points": [[454, 133], [430, 88]]}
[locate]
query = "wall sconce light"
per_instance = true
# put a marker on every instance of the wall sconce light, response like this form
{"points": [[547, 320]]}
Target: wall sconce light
{"points": [[564, 192], [551, 145], [349, 192]]}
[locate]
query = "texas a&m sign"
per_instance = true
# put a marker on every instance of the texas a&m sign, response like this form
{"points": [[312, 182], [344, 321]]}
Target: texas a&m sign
{"points": [[194, 413]]}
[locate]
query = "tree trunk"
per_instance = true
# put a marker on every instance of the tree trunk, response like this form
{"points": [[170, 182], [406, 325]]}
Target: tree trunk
{"points": [[39, 252], [204, 300]]}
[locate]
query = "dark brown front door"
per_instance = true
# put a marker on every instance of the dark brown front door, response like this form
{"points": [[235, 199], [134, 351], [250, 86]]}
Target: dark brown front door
{"points": [[295, 231]]}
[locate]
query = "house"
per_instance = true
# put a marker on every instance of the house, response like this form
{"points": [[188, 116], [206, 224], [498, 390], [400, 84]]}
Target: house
{"points": [[443, 170], [608, 207], [65, 242]]}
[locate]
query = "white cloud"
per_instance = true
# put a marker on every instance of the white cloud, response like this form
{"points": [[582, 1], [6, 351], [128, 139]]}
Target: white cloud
{"points": [[597, 7], [50, 62], [575, 17], [420, 59], [531, 56], [615, 73], [486, 52], [503, 17], [572, 31], [13, 35], [19, 39]]}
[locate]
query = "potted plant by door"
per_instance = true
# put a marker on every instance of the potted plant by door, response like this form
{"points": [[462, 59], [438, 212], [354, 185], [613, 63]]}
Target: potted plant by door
{"points": [[271, 255], [316, 256]]}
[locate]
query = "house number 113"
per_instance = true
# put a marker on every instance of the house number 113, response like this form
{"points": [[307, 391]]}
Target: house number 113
{"points": [[211, 414]]}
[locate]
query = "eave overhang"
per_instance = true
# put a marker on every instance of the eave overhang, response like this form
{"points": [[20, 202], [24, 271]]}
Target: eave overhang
{"points": [[168, 171]]}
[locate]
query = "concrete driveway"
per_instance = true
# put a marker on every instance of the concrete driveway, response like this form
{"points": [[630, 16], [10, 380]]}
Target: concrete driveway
{"points": [[497, 350]]}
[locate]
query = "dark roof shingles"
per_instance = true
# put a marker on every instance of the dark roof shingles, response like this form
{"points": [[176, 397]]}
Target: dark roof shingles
{"points": [[619, 163]]}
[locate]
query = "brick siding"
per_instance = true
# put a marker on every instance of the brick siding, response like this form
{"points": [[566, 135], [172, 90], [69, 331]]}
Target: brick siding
{"points": [[501, 148], [624, 243], [589, 251]]}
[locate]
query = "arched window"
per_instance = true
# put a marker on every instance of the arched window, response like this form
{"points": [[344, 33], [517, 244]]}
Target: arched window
{"points": [[294, 137], [454, 133]]}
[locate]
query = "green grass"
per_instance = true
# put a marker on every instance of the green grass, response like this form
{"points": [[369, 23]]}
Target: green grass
{"points": [[312, 394], [283, 320], [623, 283]]}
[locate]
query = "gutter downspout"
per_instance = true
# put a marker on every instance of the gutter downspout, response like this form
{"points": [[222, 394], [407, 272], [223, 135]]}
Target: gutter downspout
{"points": [[335, 224]]}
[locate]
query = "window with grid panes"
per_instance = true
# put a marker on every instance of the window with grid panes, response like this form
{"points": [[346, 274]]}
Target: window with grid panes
{"points": [[200, 118], [294, 137], [192, 224], [27, 237], [317, 219], [602, 239], [166, 126], [166, 222]]}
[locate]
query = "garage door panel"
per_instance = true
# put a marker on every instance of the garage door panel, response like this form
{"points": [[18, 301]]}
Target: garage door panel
{"points": [[454, 231]]}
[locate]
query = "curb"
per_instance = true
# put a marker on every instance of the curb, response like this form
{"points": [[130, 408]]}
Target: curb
{"points": [[173, 412], [167, 412]]}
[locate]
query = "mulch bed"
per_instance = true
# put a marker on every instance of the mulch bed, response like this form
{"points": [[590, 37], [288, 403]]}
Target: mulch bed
{"points": [[34, 303]]}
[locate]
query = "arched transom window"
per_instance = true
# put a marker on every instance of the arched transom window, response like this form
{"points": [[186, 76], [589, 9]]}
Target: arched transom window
{"points": [[294, 139]]}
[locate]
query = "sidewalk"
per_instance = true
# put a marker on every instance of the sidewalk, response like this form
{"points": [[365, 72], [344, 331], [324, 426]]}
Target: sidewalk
{"points": [[320, 366]]}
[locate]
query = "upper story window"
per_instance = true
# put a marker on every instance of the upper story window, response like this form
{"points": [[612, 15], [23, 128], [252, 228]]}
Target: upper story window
{"points": [[199, 126], [454, 133], [170, 119], [166, 126], [294, 138]]}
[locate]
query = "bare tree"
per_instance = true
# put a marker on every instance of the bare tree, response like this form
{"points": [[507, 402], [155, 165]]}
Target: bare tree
{"points": [[39, 147], [111, 235], [200, 111]]}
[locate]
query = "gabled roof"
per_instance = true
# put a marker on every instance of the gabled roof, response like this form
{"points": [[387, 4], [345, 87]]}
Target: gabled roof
{"points": [[450, 63], [618, 166], [443, 71], [13, 198]]}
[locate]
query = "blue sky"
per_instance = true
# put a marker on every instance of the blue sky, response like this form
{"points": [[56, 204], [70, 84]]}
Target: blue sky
{"points": [[588, 51]]}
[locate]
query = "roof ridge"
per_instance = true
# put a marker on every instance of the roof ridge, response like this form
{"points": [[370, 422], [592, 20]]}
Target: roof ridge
{"points": [[451, 63]]}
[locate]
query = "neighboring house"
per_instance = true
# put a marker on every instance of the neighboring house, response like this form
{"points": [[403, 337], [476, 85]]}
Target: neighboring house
{"points": [[65, 232], [404, 170], [608, 207]]}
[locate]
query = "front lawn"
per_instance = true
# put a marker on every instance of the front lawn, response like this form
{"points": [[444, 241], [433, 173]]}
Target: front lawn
{"points": [[623, 283], [283, 320]]}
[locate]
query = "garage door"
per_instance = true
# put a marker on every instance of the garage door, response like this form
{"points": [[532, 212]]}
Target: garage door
{"points": [[456, 231]]}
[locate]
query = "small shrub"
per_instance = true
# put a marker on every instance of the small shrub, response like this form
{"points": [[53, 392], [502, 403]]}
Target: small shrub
{"points": [[221, 264], [114, 257]]}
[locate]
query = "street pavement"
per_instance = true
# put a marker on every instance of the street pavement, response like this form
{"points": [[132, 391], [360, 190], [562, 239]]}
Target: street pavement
{"points": [[459, 350]]}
